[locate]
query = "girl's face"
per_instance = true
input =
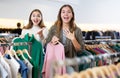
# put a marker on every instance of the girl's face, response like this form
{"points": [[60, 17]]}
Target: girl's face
{"points": [[36, 18], [66, 15]]}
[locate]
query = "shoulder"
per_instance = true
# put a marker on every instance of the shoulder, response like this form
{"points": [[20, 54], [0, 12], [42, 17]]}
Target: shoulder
{"points": [[53, 27], [24, 30], [45, 28], [77, 29]]}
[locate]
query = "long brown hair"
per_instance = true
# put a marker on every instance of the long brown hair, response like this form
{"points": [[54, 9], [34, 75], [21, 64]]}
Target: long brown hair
{"points": [[30, 23], [59, 19]]}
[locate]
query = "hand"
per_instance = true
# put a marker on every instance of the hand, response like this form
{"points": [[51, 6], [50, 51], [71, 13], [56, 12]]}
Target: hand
{"points": [[21, 36], [55, 40], [41, 33], [68, 34]]}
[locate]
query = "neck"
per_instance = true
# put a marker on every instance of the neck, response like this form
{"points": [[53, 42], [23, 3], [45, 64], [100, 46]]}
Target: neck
{"points": [[65, 25]]}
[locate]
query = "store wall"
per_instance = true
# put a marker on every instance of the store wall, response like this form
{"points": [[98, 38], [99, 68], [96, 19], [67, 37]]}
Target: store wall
{"points": [[87, 11]]}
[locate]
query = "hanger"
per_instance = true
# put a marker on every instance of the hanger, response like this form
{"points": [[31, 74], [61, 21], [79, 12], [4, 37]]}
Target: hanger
{"points": [[87, 46], [21, 53], [105, 70], [26, 51], [1, 40], [62, 76], [114, 69], [118, 66], [66, 76], [84, 74], [8, 52], [75, 75], [90, 72], [14, 54], [111, 71], [58, 76], [98, 72]]}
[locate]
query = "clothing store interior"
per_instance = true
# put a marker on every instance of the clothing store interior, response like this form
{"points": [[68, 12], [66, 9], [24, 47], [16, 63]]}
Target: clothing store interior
{"points": [[26, 57]]}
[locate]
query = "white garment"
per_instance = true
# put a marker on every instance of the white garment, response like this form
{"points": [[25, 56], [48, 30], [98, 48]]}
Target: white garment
{"points": [[6, 67], [34, 30], [30, 67], [14, 65], [3, 72]]}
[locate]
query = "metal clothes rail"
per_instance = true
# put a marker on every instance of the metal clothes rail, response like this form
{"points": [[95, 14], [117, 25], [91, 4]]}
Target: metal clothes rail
{"points": [[18, 44], [103, 40], [8, 36]]}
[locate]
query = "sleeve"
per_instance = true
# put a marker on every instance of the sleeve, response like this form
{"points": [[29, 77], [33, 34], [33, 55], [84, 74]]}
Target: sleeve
{"points": [[79, 38], [51, 33], [23, 32], [45, 33], [37, 37]]}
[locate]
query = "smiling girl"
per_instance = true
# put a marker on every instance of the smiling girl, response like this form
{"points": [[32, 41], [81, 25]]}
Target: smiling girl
{"points": [[36, 26]]}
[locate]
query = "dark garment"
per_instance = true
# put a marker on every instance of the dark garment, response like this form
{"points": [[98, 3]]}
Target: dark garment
{"points": [[90, 35], [85, 65], [17, 31], [112, 34], [84, 33], [115, 48]]}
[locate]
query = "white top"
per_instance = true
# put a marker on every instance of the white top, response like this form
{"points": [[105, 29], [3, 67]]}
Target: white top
{"points": [[14, 65], [6, 67], [3, 73], [34, 30], [30, 67]]}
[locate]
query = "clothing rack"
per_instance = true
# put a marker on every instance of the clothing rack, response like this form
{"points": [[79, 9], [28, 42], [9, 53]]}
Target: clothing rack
{"points": [[18, 44], [8, 36], [89, 59], [83, 60], [102, 37], [102, 40]]}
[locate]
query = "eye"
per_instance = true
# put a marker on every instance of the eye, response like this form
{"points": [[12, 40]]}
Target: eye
{"points": [[63, 12], [69, 12], [33, 15]]}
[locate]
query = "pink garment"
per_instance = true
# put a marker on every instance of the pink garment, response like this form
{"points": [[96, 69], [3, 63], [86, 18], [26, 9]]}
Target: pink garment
{"points": [[2, 50], [53, 53]]}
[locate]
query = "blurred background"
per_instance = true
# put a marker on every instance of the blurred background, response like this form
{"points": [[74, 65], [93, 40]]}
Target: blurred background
{"points": [[89, 14]]}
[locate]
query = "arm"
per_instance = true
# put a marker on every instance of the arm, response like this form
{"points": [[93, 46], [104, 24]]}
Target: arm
{"points": [[24, 31], [52, 32], [79, 38], [43, 34], [76, 44]]}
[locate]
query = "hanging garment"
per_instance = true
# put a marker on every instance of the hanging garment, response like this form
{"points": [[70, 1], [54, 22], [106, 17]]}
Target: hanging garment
{"points": [[35, 53], [30, 67], [6, 67], [14, 65], [23, 69], [53, 53], [3, 72]]}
